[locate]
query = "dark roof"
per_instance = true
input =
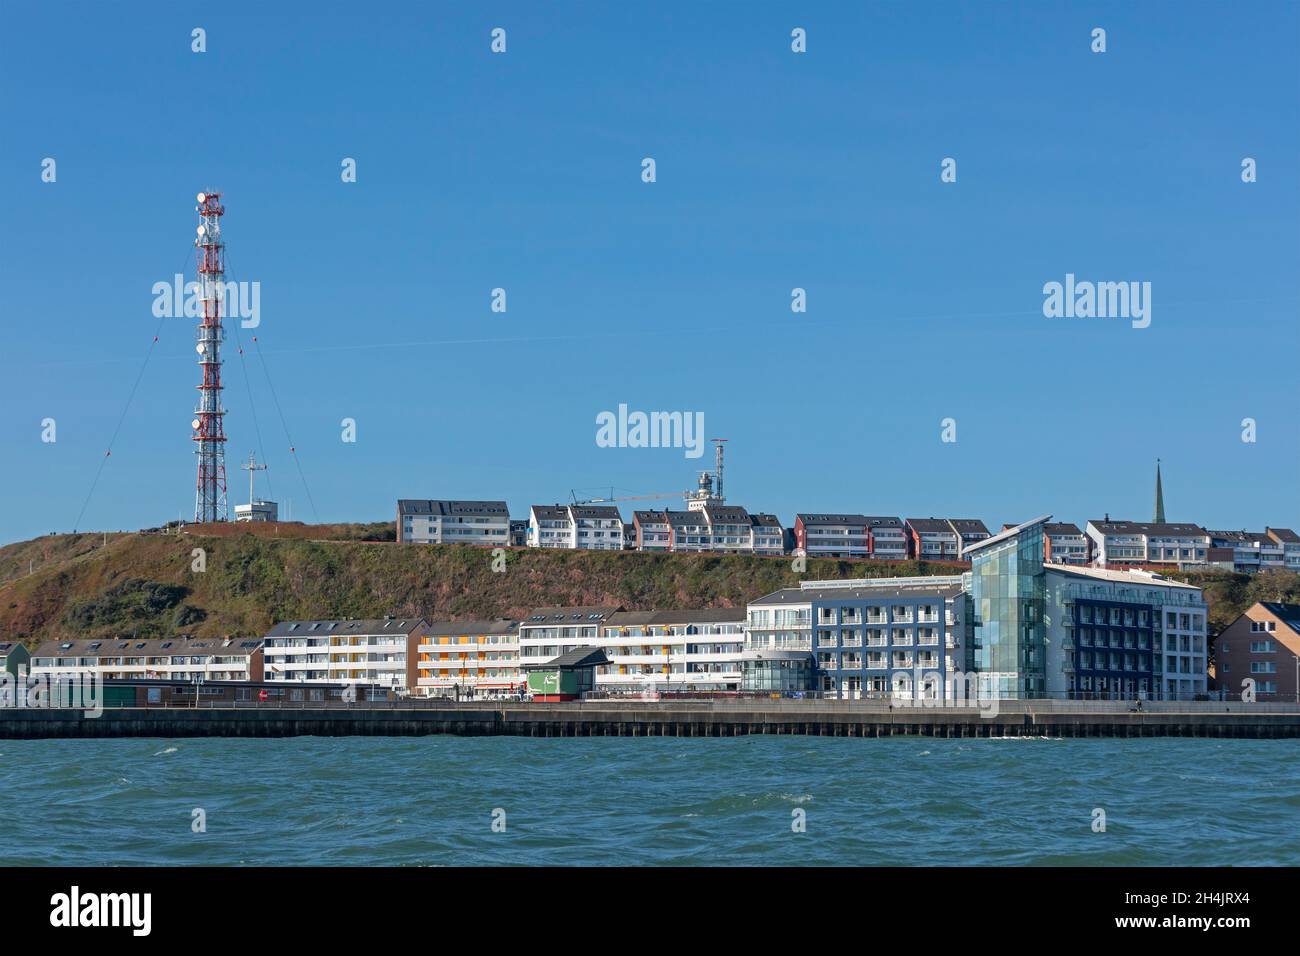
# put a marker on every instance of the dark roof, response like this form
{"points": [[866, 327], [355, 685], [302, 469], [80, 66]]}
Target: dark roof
{"points": [[727, 514], [1285, 535], [968, 525], [570, 615], [388, 625], [498, 626], [1242, 537], [832, 519], [686, 518], [930, 524], [765, 520], [426, 506], [550, 511], [572, 660], [1167, 529], [1289, 613], [810, 595], [648, 517], [882, 521], [1061, 527], [595, 511], [149, 647]]}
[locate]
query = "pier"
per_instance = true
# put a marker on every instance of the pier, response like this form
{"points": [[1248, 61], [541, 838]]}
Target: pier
{"points": [[637, 718]]}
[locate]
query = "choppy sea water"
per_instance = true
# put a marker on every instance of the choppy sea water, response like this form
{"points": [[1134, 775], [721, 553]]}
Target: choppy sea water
{"points": [[671, 801]]}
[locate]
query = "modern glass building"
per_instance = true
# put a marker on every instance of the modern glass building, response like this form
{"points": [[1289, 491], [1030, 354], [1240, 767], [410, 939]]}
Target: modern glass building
{"points": [[1007, 588]]}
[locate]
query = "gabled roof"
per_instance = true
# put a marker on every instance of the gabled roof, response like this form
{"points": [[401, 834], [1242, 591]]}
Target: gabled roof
{"points": [[1288, 613], [765, 521], [832, 519], [1061, 527], [1284, 535], [679, 519], [968, 525], [497, 626], [550, 512], [727, 514], [595, 511], [930, 525]]}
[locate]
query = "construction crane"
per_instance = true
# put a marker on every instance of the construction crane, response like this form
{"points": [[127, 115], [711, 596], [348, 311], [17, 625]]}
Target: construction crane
{"points": [[573, 493]]}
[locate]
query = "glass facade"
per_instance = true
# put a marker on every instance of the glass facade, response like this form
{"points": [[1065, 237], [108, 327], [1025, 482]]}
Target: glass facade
{"points": [[1008, 592], [783, 673]]}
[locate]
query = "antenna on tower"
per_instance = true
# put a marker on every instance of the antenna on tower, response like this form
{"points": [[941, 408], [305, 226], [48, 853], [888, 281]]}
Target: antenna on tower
{"points": [[717, 468], [209, 433]]}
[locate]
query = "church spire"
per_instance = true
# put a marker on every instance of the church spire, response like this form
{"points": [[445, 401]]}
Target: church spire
{"points": [[1160, 497]]}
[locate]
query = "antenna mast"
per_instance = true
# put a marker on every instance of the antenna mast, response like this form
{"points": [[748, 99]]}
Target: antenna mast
{"points": [[209, 433]]}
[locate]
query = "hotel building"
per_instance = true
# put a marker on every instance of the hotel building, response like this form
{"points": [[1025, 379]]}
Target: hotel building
{"points": [[422, 521], [712, 527], [905, 638], [469, 659], [169, 658], [1262, 645], [379, 652], [932, 539], [1075, 632]]}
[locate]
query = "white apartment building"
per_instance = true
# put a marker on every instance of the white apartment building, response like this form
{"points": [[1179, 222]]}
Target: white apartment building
{"points": [[660, 651], [1123, 634], [1247, 551], [768, 535], [1064, 543], [424, 521], [873, 637], [549, 632], [1290, 542], [469, 659], [379, 652], [1141, 542], [583, 527], [718, 528], [169, 658]]}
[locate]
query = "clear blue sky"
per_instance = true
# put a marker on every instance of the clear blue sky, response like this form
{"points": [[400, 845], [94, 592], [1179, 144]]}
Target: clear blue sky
{"points": [[775, 170]]}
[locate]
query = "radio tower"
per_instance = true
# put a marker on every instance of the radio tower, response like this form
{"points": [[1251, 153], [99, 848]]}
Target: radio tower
{"points": [[209, 433]]}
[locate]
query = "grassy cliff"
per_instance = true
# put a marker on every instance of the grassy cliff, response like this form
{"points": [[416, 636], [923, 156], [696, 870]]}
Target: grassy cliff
{"points": [[92, 585], [95, 585]]}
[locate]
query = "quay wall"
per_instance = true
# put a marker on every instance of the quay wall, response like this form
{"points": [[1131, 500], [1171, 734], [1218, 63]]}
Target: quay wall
{"points": [[664, 719]]}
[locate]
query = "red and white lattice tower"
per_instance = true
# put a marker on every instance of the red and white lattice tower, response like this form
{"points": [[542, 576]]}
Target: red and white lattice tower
{"points": [[209, 433]]}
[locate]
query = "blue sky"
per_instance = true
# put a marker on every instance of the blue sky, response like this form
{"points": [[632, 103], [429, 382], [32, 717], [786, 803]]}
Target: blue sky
{"points": [[774, 171]]}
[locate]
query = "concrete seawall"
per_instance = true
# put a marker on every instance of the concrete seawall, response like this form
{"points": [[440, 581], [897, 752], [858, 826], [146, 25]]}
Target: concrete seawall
{"points": [[666, 719]]}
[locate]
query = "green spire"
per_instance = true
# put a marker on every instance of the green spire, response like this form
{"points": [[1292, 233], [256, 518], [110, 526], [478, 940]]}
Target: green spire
{"points": [[1160, 497]]}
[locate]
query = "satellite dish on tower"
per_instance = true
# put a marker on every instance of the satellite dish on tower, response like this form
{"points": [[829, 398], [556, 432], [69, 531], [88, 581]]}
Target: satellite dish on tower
{"points": [[195, 424], [201, 230], [201, 348], [202, 197]]}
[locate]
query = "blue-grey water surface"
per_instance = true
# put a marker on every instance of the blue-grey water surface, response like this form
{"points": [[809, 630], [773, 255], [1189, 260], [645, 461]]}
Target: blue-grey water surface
{"points": [[593, 801]]}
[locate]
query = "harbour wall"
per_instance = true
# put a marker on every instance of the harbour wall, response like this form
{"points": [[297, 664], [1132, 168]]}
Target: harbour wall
{"points": [[665, 719]]}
